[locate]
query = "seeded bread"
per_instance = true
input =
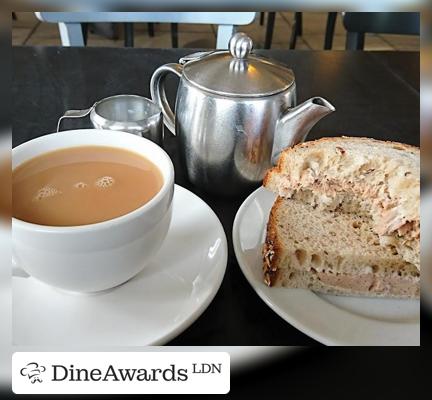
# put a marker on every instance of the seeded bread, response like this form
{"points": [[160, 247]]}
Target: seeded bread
{"points": [[333, 252], [361, 176]]}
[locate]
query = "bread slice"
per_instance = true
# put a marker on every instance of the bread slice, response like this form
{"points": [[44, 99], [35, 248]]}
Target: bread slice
{"points": [[332, 252], [359, 175]]}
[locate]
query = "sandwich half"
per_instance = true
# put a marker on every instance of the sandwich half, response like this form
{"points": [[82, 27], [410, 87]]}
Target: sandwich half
{"points": [[333, 252], [336, 184]]}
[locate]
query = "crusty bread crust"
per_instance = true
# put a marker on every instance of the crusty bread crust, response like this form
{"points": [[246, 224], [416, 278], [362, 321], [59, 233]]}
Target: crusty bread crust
{"points": [[272, 247], [286, 153]]}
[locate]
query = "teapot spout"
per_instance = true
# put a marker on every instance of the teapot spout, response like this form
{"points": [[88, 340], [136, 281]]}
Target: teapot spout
{"points": [[295, 124]]}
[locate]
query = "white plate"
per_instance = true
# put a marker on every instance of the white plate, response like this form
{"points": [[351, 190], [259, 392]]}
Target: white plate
{"points": [[332, 320], [152, 308], [426, 250]]}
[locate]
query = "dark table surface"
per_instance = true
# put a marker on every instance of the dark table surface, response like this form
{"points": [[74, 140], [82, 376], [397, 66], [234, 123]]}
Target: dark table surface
{"points": [[376, 94]]}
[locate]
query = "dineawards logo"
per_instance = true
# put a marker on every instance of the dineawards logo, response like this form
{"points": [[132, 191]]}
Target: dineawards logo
{"points": [[156, 372], [110, 373], [33, 371]]}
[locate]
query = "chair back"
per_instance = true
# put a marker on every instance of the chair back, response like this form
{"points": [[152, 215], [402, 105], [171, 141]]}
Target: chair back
{"points": [[359, 23]]}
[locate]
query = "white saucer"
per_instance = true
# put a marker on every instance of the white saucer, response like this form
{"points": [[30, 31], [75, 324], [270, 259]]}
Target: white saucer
{"points": [[152, 308], [332, 320]]}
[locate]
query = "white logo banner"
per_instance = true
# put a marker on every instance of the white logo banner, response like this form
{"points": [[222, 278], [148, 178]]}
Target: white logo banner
{"points": [[120, 373]]}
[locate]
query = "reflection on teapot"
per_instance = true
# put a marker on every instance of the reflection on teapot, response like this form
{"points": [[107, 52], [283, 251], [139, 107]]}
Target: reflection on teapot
{"points": [[235, 112]]}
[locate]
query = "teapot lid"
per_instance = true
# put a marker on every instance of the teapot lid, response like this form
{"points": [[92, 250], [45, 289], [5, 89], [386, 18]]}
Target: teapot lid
{"points": [[236, 72]]}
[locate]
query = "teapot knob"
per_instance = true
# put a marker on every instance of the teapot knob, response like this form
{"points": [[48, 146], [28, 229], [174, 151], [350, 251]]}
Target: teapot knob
{"points": [[240, 45]]}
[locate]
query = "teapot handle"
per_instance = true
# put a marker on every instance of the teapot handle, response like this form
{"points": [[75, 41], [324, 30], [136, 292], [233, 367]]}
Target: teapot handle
{"points": [[157, 90]]}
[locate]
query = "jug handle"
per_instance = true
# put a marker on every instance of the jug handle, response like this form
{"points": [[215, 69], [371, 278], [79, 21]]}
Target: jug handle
{"points": [[157, 90], [74, 114]]}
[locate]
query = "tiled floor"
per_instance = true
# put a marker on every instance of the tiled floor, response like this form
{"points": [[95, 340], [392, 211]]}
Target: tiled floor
{"points": [[27, 30]]}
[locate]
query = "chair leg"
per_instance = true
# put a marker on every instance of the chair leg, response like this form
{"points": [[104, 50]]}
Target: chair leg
{"points": [[355, 41], [85, 27], [293, 39], [71, 34], [330, 28], [224, 35], [150, 27], [174, 35], [262, 17], [269, 30], [298, 17], [129, 34]]}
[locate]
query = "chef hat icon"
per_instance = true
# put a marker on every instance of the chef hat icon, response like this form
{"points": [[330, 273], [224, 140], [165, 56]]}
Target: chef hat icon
{"points": [[32, 371]]}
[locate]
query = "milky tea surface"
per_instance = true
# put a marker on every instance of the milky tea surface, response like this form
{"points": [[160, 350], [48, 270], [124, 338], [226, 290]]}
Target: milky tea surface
{"points": [[82, 185]]}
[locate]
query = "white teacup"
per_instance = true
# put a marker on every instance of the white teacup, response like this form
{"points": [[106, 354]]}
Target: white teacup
{"points": [[99, 256]]}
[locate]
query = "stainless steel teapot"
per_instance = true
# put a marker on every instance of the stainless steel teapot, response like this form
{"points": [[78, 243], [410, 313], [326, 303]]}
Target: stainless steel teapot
{"points": [[235, 112]]}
